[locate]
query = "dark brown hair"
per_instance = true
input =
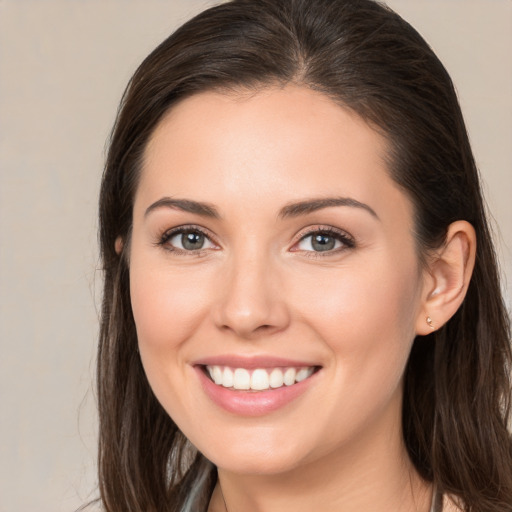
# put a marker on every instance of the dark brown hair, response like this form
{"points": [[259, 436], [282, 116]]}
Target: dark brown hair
{"points": [[369, 60]]}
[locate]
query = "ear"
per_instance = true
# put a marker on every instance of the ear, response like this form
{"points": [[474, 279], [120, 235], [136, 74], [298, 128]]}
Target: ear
{"points": [[447, 277], [118, 245]]}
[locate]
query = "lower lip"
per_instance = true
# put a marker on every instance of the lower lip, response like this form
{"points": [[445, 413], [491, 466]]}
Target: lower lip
{"points": [[252, 403]]}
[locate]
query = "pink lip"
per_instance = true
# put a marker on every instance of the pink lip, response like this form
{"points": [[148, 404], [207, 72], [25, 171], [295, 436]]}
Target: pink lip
{"points": [[252, 403], [251, 362]]}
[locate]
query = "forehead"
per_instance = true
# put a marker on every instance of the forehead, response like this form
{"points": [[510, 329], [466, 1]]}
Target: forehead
{"points": [[281, 143], [281, 118]]}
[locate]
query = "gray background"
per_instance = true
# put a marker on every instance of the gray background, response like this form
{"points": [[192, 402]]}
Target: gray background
{"points": [[63, 67]]}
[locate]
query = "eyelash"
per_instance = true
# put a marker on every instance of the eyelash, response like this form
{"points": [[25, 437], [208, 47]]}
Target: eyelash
{"points": [[346, 240], [165, 237]]}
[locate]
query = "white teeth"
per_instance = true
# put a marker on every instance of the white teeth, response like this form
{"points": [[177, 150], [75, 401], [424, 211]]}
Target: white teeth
{"points": [[217, 375], [260, 379], [242, 379], [228, 378], [303, 373], [276, 378], [289, 376]]}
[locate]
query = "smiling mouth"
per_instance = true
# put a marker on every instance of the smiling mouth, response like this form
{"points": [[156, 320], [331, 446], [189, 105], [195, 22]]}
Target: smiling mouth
{"points": [[258, 379]]}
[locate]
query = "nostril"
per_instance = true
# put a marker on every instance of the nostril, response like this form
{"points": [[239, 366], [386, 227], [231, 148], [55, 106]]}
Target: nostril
{"points": [[261, 328]]}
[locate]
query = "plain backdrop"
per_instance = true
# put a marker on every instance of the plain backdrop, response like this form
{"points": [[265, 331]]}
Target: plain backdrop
{"points": [[63, 67]]}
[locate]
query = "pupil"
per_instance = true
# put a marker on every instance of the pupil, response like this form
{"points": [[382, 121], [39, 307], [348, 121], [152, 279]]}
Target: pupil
{"points": [[192, 241], [323, 243]]}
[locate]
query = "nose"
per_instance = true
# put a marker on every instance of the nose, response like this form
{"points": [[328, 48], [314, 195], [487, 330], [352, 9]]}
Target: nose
{"points": [[251, 299]]}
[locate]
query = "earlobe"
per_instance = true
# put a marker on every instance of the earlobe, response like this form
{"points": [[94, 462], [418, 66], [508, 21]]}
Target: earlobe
{"points": [[118, 245], [449, 274]]}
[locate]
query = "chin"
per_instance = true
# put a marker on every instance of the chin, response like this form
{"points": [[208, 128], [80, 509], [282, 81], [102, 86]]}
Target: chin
{"points": [[270, 465], [255, 458]]}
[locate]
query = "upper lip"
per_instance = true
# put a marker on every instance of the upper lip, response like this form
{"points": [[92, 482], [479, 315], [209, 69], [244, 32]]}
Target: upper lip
{"points": [[251, 362]]}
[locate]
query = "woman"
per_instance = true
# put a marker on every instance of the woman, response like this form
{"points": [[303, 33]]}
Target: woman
{"points": [[301, 306]]}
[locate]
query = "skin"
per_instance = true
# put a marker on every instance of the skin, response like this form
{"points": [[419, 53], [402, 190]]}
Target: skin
{"points": [[256, 289]]}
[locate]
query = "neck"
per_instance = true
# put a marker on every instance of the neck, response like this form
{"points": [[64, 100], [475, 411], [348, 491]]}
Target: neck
{"points": [[405, 493]]}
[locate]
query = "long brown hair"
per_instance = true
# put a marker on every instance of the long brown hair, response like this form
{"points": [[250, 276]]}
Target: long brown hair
{"points": [[369, 60]]}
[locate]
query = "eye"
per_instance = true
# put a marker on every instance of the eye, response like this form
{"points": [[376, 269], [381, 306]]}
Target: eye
{"points": [[186, 240], [324, 240]]}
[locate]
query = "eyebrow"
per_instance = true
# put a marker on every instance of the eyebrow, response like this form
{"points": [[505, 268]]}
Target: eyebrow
{"points": [[290, 210], [186, 205], [313, 205]]}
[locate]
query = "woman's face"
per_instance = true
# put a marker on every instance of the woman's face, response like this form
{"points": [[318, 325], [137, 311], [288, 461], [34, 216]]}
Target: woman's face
{"points": [[271, 246]]}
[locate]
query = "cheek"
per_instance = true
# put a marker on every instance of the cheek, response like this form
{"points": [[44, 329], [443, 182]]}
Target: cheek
{"points": [[167, 305], [366, 315], [367, 323]]}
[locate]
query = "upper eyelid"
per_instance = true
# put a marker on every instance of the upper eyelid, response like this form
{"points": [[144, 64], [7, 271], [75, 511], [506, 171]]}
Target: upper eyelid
{"points": [[346, 239], [169, 233], [187, 227], [323, 229]]}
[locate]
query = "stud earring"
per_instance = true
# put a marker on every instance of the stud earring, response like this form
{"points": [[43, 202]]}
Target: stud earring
{"points": [[429, 322]]}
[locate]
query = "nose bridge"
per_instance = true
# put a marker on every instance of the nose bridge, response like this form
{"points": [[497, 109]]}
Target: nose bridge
{"points": [[251, 301]]}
